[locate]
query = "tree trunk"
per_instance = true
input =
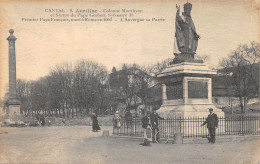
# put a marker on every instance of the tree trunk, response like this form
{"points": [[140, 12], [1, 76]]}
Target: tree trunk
{"points": [[63, 113], [241, 103], [59, 113], [69, 112], [56, 113], [245, 104], [76, 112]]}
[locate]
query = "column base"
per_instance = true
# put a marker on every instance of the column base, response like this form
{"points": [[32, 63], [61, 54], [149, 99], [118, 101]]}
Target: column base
{"points": [[13, 113]]}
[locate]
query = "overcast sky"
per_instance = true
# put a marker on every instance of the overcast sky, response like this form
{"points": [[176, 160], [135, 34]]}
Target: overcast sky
{"points": [[41, 45]]}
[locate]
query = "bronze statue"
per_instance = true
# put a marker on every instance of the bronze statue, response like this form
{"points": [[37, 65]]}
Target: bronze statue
{"points": [[186, 35]]}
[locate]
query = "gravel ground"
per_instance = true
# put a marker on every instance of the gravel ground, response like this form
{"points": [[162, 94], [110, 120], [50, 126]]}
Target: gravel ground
{"points": [[78, 144]]}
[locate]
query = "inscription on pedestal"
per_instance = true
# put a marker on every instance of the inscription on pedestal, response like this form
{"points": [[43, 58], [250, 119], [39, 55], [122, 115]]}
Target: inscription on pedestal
{"points": [[174, 91], [197, 89]]}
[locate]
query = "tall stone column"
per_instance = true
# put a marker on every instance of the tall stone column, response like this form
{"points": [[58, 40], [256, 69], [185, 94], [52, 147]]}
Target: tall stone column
{"points": [[13, 103]]}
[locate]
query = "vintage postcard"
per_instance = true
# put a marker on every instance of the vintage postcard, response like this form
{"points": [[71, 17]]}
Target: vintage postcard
{"points": [[141, 81]]}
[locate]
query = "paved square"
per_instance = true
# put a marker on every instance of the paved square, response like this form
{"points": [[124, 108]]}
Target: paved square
{"points": [[78, 144]]}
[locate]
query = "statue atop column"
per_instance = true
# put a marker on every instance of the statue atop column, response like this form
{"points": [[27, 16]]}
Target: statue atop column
{"points": [[185, 34]]}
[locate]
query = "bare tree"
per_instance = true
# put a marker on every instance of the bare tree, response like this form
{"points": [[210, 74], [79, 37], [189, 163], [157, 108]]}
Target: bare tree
{"points": [[242, 66], [24, 95], [160, 66], [90, 80], [131, 83]]}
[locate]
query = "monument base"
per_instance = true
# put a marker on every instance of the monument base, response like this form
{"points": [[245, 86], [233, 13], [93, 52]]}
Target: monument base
{"points": [[13, 110], [187, 119], [14, 113], [187, 90], [187, 96], [194, 110]]}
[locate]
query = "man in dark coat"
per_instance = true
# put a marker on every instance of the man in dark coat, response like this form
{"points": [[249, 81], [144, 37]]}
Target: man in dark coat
{"points": [[212, 124], [155, 124], [95, 125], [42, 119], [128, 118]]}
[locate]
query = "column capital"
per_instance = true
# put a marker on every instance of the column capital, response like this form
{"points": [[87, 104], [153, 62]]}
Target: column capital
{"points": [[11, 37]]}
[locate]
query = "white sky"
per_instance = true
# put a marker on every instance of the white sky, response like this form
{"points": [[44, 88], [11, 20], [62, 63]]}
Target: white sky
{"points": [[40, 46]]}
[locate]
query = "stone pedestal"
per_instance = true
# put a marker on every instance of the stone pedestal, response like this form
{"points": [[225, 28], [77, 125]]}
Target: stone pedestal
{"points": [[14, 112], [187, 90], [187, 93]]}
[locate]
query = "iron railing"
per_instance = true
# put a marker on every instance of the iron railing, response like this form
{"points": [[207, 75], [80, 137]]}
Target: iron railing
{"points": [[191, 126]]}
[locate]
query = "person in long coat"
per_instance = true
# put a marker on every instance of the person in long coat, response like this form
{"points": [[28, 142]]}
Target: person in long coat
{"points": [[212, 124], [146, 125], [128, 118], [117, 120], [95, 126]]}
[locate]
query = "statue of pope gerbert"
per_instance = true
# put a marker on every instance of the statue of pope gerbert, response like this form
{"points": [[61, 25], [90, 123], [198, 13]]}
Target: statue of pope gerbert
{"points": [[186, 35]]}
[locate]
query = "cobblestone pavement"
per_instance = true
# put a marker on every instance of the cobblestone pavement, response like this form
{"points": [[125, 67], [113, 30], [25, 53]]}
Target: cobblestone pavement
{"points": [[78, 144]]}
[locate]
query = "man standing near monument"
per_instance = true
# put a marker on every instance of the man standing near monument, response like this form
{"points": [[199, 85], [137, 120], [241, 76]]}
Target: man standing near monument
{"points": [[155, 124], [212, 124], [186, 35]]}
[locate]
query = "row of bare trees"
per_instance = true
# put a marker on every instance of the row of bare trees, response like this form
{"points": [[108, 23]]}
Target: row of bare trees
{"points": [[67, 91]]}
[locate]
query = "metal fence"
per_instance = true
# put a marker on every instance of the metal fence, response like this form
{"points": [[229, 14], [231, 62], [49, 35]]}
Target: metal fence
{"points": [[191, 126]]}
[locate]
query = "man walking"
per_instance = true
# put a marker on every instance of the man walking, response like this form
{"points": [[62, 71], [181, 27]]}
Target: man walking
{"points": [[212, 124], [155, 127]]}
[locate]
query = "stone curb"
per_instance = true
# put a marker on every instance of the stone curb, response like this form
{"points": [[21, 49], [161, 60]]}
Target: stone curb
{"points": [[190, 140]]}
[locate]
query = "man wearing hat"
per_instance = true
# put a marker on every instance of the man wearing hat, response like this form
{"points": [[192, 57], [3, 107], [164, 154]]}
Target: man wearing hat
{"points": [[155, 124], [212, 124]]}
